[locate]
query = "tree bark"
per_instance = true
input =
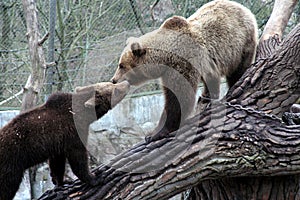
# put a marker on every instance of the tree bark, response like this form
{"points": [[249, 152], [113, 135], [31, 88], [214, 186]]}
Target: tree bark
{"points": [[237, 148]]}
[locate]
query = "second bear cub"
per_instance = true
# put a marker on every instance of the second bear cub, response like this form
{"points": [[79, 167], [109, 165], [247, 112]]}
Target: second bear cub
{"points": [[56, 130]]}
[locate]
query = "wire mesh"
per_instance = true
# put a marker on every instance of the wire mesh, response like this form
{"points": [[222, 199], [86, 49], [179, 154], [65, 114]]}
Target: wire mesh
{"points": [[89, 38]]}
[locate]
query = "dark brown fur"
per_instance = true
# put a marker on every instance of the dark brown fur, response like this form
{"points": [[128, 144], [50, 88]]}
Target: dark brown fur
{"points": [[56, 130]]}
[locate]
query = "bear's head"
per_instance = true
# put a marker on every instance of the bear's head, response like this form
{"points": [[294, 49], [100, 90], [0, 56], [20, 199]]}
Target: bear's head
{"points": [[103, 96], [131, 60], [144, 58]]}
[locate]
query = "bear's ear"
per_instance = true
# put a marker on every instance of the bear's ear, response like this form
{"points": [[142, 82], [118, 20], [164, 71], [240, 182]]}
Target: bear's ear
{"points": [[90, 103], [81, 96], [137, 49], [175, 23], [131, 40]]}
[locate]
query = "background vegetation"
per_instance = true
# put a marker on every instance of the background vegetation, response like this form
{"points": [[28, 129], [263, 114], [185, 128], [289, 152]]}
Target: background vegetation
{"points": [[89, 37]]}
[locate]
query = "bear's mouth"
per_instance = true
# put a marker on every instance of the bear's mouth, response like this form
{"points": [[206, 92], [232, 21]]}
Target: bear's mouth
{"points": [[120, 91]]}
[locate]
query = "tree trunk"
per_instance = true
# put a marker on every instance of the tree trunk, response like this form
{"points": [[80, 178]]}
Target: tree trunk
{"points": [[37, 58], [279, 18], [237, 148], [38, 68]]}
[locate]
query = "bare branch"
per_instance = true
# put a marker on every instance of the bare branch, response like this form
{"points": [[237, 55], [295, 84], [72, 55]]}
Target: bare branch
{"points": [[44, 38], [279, 18]]}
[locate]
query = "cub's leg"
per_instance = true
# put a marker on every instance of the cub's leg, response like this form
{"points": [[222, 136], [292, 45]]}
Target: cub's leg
{"points": [[78, 160], [57, 168]]}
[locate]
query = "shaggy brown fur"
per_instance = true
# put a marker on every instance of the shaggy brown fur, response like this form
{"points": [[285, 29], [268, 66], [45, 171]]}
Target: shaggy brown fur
{"points": [[218, 40], [56, 130]]}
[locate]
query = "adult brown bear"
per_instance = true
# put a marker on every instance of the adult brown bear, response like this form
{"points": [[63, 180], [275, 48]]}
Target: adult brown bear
{"points": [[56, 130], [220, 39]]}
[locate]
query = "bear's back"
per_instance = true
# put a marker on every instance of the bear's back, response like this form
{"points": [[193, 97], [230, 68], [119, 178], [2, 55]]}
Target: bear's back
{"points": [[223, 13], [224, 28], [43, 129]]}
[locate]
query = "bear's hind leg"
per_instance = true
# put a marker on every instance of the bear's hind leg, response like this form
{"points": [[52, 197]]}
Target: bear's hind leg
{"points": [[235, 75], [57, 169]]}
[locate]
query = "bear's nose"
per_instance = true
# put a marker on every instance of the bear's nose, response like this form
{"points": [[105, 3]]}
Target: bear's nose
{"points": [[113, 81]]}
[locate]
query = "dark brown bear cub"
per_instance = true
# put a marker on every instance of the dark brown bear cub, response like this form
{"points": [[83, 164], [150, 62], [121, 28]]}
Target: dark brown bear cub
{"points": [[56, 130]]}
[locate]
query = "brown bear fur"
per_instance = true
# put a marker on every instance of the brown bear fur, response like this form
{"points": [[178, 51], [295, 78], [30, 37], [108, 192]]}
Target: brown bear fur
{"points": [[56, 130], [220, 39]]}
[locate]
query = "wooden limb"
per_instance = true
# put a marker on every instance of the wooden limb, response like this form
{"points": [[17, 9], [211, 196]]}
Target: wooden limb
{"points": [[279, 18], [262, 85], [44, 38], [267, 47], [152, 9], [137, 18]]}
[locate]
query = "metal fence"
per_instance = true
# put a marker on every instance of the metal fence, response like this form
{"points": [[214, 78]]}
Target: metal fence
{"points": [[89, 37]]}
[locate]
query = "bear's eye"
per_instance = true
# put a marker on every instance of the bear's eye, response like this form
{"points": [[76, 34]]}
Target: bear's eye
{"points": [[121, 66]]}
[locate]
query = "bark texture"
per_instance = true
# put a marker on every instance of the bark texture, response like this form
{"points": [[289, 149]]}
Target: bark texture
{"points": [[237, 148]]}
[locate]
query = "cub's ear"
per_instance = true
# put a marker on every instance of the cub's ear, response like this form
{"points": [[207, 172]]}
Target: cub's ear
{"points": [[90, 103], [137, 49], [78, 89], [175, 23], [82, 89], [81, 96]]}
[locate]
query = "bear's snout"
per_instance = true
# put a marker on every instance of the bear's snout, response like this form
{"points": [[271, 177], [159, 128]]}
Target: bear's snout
{"points": [[113, 81]]}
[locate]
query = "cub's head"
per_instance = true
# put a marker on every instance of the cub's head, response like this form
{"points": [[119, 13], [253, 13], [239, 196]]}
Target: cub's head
{"points": [[102, 96], [130, 63]]}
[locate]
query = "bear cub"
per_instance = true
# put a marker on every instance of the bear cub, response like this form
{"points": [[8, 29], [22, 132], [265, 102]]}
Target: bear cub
{"points": [[218, 40], [55, 131]]}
